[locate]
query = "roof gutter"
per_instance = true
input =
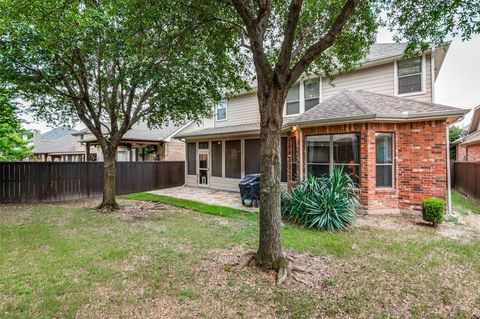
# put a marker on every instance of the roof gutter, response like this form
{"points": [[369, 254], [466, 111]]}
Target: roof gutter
{"points": [[407, 117]]}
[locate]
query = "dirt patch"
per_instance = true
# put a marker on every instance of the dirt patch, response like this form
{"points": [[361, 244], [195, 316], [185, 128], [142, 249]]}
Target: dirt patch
{"points": [[466, 227], [134, 211]]}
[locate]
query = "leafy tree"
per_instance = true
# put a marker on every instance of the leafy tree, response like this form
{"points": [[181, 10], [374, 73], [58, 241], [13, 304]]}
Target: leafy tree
{"points": [[13, 145], [288, 39], [112, 64], [454, 133], [427, 22]]}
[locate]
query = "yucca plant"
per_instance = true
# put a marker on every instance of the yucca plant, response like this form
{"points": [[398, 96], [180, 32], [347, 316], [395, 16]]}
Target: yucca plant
{"points": [[327, 203]]}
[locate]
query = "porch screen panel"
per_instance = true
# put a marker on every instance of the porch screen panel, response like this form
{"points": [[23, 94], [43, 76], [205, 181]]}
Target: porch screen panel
{"points": [[318, 155], [217, 158], [346, 154], [252, 156], [233, 159], [192, 158], [283, 159]]}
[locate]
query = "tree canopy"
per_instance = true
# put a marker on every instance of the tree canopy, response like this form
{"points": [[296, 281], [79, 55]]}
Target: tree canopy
{"points": [[114, 63], [14, 140]]}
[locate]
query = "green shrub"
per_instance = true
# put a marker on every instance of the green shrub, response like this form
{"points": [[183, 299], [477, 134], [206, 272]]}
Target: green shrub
{"points": [[432, 211], [326, 203]]}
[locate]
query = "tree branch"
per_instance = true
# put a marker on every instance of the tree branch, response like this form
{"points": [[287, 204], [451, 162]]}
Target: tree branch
{"points": [[285, 56], [324, 43]]}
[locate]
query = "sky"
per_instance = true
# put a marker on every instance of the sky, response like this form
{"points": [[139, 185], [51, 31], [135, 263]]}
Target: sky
{"points": [[458, 83]]}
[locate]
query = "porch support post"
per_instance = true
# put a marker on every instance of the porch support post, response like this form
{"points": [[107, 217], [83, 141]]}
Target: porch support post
{"points": [[87, 146]]}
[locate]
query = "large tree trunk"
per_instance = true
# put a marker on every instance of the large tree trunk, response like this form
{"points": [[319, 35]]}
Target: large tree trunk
{"points": [[270, 254], [109, 171]]}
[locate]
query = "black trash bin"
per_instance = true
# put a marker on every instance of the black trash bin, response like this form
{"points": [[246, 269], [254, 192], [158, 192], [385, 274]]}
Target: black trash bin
{"points": [[250, 190]]}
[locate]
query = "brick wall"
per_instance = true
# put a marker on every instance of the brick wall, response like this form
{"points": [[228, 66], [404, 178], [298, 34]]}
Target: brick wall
{"points": [[468, 153], [174, 151], [419, 164], [461, 153]]}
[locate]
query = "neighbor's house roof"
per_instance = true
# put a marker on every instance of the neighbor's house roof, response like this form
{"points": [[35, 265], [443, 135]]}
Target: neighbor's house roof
{"points": [[359, 105], [141, 132], [57, 133], [349, 107], [473, 132], [62, 145]]}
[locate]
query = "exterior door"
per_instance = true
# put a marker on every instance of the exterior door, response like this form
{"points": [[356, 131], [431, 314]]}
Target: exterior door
{"points": [[203, 168]]}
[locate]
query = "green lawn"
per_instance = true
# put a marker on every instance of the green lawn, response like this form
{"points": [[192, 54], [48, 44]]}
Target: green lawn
{"points": [[464, 205], [65, 260]]}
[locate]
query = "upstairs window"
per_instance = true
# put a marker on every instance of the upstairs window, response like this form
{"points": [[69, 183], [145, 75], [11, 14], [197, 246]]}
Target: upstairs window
{"points": [[222, 111], [312, 93], [409, 75], [293, 100]]}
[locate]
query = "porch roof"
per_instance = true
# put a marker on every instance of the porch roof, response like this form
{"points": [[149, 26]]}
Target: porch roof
{"points": [[348, 107]]}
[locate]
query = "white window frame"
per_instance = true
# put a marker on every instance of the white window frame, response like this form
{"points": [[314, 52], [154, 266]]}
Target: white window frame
{"points": [[223, 102], [386, 164], [423, 79]]}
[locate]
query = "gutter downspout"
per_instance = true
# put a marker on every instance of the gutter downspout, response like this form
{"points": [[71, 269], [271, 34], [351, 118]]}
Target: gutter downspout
{"points": [[449, 182], [432, 68], [301, 153]]}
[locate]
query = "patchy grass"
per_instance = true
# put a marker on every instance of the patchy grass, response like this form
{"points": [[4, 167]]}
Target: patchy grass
{"points": [[463, 204], [66, 260]]}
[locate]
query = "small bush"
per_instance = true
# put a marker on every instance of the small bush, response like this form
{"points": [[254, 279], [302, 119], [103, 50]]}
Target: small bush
{"points": [[327, 203], [432, 211]]}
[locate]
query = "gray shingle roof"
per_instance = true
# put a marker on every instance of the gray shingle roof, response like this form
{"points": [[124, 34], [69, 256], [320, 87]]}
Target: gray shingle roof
{"points": [[380, 51], [241, 128], [232, 129], [357, 105], [57, 133], [64, 144], [141, 132], [348, 106]]}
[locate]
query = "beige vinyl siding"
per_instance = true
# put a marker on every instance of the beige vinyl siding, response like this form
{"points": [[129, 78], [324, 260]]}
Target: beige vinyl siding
{"points": [[377, 79], [241, 110], [227, 184], [194, 126], [191, 180]]}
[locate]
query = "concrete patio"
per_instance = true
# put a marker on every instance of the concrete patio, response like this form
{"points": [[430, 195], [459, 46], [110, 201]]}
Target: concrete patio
{"points": [[206, 196]]}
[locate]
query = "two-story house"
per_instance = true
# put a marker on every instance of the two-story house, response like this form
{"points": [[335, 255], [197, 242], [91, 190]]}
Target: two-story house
{"points": [[379, 122]]}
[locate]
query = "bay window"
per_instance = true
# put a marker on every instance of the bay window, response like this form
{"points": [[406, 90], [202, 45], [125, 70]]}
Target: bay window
{"points": [[327, 152], [293, 158], [384, 159]]}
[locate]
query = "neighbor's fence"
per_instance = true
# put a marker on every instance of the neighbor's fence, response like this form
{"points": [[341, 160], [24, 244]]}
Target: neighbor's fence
{"points": [[24, 182], [466, 179]]}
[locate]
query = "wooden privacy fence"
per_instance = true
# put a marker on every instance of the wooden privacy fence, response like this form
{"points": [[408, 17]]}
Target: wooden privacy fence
{"points": [[466, 179], [26, 182]]}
